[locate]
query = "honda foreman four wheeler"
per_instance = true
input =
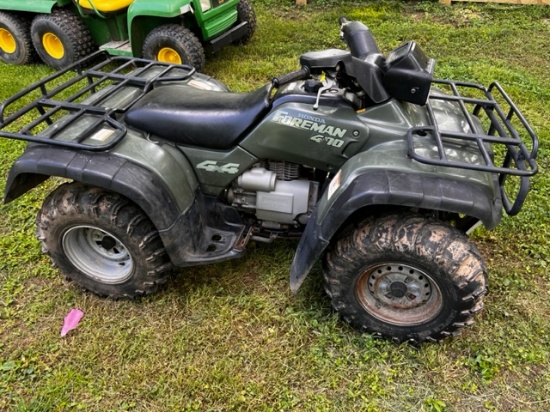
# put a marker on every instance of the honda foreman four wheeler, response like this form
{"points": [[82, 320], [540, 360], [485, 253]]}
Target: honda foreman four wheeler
{"points": [[62, 32], [378, 168]]}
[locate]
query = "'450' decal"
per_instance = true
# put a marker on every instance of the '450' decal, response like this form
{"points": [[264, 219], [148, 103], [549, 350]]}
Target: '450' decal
{"points": [[213, 166]]}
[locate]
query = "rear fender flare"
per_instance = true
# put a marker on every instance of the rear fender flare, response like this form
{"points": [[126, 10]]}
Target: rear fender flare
{"points": [[110, 172], [387, 187]]}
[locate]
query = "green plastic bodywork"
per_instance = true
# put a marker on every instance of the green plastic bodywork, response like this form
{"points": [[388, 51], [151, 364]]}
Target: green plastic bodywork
{"points": [[165, 162], [278, 138], [214, 183], [373, 141], [142, 16], [33, 6], [211, 22]]}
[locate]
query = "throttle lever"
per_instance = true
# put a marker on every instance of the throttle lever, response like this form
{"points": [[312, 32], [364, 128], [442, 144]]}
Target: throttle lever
{"points": [[327, 85]]}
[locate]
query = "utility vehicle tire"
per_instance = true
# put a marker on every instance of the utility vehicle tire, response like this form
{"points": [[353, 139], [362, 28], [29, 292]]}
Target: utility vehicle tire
{"points": [[405, 277], [61, 38], [15, 39], [245, 12], [102, 241], [175, 44]]}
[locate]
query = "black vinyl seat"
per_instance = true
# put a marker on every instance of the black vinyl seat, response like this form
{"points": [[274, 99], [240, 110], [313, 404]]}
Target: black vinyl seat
{"points": [[190, 116]]}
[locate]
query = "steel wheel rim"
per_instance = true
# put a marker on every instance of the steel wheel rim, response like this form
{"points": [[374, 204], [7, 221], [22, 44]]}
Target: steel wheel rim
{"points": [[399, 294], [98, 254], [169, 55], [53, 46], [7, 41]]}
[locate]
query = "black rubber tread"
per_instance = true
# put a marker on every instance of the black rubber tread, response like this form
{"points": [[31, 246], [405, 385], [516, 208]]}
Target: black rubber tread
{"points": [[75, 203], [70, 30], [245, 12], [19, 28], [178, 38], [443, 251]]}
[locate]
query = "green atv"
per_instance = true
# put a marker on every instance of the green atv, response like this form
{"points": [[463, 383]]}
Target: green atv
{"points": [[62, 32], [378, 168]]}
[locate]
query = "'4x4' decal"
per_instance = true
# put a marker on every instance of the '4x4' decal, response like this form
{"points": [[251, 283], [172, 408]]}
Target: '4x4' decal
{"points": [[213, 166]]}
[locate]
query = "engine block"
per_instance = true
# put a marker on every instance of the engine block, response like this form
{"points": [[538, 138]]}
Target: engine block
{"points": [[274, 201]]}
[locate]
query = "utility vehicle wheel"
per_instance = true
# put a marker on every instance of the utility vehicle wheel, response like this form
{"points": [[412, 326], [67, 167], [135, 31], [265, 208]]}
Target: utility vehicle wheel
{"points": [[61, 38], [102, 241], [174, 44], [408, 278], [15, 40], [245, 12]]}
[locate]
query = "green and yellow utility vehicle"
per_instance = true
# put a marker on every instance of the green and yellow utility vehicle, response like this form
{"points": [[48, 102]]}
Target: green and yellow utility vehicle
{"points": [[62, 32]]}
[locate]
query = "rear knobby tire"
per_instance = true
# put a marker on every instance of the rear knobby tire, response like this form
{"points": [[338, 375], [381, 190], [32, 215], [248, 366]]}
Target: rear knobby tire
{"points": [[102, 241], [406, 278], [61, 38], [174, 44], [15, 39]]}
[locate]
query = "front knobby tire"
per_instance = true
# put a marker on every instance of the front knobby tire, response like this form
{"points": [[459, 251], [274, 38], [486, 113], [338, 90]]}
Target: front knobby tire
{"points": [[174, 44], [406, 278], [245, 12], [102, 241]]}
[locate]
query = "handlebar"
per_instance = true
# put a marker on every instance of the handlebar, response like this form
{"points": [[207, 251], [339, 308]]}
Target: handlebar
{"points": [[358, 37], [299, 74]]}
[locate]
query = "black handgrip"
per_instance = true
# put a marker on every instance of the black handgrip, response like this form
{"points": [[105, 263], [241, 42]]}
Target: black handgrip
{"points": [[359, 38], [300, 74]]}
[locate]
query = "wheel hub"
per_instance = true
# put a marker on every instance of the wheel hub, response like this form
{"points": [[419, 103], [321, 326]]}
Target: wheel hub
{"points": [[7, 41], [399, 294], [98, 254], [400, 286], [53, 46], [398, 289], [169, 55], [108, 243]]}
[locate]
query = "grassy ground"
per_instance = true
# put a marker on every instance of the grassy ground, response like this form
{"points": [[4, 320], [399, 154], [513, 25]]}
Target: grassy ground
{"points": [[231, 336]]}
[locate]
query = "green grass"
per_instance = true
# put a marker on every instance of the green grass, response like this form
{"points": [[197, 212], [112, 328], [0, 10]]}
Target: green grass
{"points": [[231, 336]]}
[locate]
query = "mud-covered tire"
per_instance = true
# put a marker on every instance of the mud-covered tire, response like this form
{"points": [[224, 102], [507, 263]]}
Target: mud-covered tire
{"points": [[15, 39], [406, 278], [102, 241], [175, 44], [245, 12], [61, 38]]}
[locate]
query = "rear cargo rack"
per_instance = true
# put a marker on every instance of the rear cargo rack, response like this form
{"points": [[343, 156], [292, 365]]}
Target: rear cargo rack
{"points": [[507, 148], [80, 96]]}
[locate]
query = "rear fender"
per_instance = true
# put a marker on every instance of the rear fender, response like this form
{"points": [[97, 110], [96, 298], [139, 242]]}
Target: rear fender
{"points": [[158, 178], [350, 192], [34, 6], [110, 172]]}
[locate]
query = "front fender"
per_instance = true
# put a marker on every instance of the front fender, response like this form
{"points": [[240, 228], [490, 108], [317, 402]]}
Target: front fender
{"points": [[145, 15], [389, 187]]}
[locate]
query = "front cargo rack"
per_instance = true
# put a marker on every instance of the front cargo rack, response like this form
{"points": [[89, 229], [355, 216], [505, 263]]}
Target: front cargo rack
{"points": [[77, 101], [508, 148]]}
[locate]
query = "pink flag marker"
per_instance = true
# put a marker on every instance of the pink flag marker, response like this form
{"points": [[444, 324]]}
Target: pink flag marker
{"points": [[71, 321]]}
